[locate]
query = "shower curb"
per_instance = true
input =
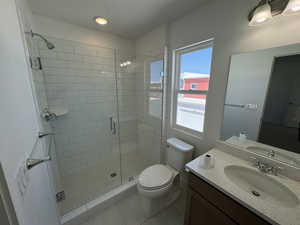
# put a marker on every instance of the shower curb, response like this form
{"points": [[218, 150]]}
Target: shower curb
{"points": [[77, 216]]}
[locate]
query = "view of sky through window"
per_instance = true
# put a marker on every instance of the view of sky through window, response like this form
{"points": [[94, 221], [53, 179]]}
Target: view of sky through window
{"points": [[196, 61], [156, 69]]}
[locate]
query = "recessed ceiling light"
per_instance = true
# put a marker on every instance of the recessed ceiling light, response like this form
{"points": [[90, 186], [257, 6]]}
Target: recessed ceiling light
{"points": [[100, 20]]}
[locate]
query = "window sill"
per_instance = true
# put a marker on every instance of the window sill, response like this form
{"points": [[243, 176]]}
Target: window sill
{"points": [[197, 136]]}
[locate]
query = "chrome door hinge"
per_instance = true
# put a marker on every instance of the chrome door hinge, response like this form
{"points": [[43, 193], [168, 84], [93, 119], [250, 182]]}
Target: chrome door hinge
{"points": [[35, 63], [113, 127], [60, 196]]}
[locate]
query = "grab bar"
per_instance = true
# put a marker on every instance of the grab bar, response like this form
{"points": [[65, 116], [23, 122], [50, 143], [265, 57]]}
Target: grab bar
{"points": [[32, 162], [235, 105], [250, 106], [41, 134]]}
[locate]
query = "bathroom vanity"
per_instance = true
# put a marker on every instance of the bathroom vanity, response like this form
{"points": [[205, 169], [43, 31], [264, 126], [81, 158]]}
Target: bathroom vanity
{"points": [[207, 204], [236, 191]]}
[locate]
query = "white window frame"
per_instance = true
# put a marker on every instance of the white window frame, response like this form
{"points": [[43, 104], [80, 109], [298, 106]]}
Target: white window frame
{"points": [[175, 86]]}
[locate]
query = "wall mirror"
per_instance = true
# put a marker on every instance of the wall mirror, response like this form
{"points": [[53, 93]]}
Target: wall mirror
{"points": [[263, 102]]}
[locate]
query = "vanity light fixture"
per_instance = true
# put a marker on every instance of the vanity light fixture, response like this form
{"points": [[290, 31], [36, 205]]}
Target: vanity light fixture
{"points": [[124, 64], [267, 9], [292, 7], [100, 20], [261, 14]]}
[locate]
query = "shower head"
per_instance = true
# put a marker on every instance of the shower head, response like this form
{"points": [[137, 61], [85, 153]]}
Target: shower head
{"points": [[48, 43]]}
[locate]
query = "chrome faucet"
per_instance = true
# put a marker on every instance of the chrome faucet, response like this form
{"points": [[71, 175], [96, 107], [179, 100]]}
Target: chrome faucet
{"points": [[271, 153], [266, 168], [49, 116]]}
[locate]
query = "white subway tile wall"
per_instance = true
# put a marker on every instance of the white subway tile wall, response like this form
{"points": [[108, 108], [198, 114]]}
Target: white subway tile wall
{"points": [[81, 78]]}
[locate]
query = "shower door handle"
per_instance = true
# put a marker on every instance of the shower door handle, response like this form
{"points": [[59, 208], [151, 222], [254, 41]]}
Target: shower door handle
{"points": [[113, 128]]}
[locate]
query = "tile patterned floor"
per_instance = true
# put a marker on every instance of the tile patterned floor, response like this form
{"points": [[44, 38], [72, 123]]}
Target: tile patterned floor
{"points": [[128, 212]]}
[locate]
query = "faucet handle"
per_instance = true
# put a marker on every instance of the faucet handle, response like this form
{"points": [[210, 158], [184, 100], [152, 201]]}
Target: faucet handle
{"points": [[256, 162], [277, 170], [271, 153]]}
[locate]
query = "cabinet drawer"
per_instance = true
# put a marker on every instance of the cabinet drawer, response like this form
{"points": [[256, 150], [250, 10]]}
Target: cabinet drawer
{"points": [[227, 205]]}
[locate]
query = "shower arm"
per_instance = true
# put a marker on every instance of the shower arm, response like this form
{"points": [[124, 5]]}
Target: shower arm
{"points": [[40, 36], [36, 34]]}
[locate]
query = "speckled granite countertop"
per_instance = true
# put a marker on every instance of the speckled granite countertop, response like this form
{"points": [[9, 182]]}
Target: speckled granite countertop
{"points": [[271, 212]]}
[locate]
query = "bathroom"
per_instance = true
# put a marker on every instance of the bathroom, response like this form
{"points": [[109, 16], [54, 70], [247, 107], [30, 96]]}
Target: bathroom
{"points": [[103, 101]]}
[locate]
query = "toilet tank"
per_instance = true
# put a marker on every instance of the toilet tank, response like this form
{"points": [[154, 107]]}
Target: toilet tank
{"points": [[178, 153]]}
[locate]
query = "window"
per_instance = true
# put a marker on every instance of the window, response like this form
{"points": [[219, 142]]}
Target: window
{"points": [[156, 69], [192, 66], [193, 87]]}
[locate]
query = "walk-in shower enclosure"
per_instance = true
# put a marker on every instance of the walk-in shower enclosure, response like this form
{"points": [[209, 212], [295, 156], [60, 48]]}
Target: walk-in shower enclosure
{"points": [[108, 117]]}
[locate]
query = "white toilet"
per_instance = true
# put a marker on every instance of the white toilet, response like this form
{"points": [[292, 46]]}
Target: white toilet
{"points": [[157, 183]]}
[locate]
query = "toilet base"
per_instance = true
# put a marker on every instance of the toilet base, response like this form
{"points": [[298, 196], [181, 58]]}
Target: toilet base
{"points": [[153, 206]]}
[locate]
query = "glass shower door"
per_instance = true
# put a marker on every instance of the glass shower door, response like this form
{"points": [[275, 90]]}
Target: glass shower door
{"points": [[140, 97], [80, 83]]}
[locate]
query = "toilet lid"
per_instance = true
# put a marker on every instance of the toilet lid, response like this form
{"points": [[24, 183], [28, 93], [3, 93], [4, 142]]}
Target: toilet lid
{"points": [[155, 177]]}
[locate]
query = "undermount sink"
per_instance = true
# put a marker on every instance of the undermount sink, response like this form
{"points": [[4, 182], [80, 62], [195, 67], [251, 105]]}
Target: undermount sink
{"points": [[261, 186]]}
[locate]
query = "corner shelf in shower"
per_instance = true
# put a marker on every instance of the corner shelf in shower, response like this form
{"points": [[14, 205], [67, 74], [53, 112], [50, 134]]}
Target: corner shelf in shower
{"points": [[59, 110]]}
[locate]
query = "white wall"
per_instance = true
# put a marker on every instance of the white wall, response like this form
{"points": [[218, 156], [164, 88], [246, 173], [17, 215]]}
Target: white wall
{"points": [[226, 21], [62, 30], [19, 124], [152, 43]]}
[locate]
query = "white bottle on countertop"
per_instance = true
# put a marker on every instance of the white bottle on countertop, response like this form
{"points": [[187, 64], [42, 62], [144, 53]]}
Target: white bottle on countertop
{"points": [[242, 137]]}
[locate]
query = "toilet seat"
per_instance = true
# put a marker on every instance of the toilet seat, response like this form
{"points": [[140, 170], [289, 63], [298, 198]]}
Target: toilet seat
{"points": [[155, 177]]}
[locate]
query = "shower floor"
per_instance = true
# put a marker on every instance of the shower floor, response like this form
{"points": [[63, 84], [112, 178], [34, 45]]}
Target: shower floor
{"points": [[128, 212], [88, 184]]}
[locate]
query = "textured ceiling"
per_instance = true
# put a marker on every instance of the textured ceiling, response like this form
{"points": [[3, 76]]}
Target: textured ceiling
{"points": [[127, 18]]}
